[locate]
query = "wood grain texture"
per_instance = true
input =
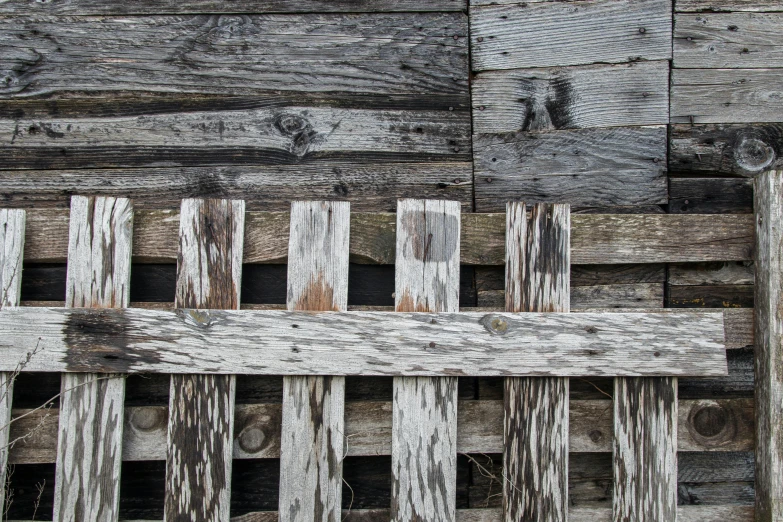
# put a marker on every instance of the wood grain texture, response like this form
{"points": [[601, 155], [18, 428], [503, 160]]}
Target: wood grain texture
{"points": [[768, 346], [201, 407], [571, 97], [612, 166], [89, 442], [710, 195], [424, 427], [313, 416], [535, 427], [726, 95], [270, 55], [12, 237], [645, 449], [730, 40], [713, 6], [546, 34]]}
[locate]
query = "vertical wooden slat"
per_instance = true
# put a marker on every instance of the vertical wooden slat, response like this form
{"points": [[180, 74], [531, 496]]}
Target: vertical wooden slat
{"points": [[768, 204], [535, 456], [89, 441], [313, 441], [424, 425], [201, 418], [12, 224]]}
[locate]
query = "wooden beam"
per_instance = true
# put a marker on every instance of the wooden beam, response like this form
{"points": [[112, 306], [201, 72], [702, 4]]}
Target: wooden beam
{"points": [[201, 407], [535, 428], [89, 442], [424, 427], [769, 346], [313, 432]]}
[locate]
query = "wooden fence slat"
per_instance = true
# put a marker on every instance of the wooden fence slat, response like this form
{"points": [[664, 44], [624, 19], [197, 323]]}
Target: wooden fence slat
{"points": [[313, 431], [89, 442], [535, 455], [645, 449], [201, 407], [424, 425], [769, 345], [12, 225]]}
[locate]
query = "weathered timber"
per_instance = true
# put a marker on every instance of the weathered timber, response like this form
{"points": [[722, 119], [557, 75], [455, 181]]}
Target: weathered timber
{"points": [[769, 346], [713, 6], [645, 449], [547, 34], [710, 296], [424, 426], [571, 97], [371, 187], [710, 196], [595, 238], [273, 55], [12, 225], [89, 442], [731, 149], [612, 166], [730, 40], [270, 135], [313, 417], [535, 427], [726, 95], [256, 342], [638, 295], [730, 273], [201, 407]]}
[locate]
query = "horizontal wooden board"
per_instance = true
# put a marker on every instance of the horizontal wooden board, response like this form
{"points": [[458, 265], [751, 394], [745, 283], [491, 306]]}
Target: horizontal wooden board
{"points": [[726, 95], [729, 273], [728, 40], [731, 149], [368, 186], [408, 53], [718, 6], [710, 195], [710, 296], [364, 343], [606, 166], [571, 97], [596, 238], [288, 135], [633, 295]]}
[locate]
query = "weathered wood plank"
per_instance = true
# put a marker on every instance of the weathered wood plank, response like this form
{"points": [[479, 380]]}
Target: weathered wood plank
{"points": [[201, 407], [595, 239], [731, 273], [535, 427], [313, 417], [645, 449], [730, 40], [713, 6], [612, 166], [89, 442], [269, 135], [710, 195], [730, 149], [12, 228], [257, 342], [726, 95], [271, 55], [638, 295], [545, 34], [571, 97], [768, 347], [424, 426]]}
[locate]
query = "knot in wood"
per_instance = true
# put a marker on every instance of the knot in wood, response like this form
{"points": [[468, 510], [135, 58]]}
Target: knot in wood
{"points": [[753, 154], [197, 318], [495, 324], [147, 419], [252, 438]]}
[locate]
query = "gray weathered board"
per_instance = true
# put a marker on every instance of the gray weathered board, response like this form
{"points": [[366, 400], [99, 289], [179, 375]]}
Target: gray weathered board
{"points": [[716, 6]]}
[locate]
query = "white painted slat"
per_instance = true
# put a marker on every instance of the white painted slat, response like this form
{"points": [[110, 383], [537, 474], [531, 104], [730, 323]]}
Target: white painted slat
{"points": [[424, 417], [313, 433]]}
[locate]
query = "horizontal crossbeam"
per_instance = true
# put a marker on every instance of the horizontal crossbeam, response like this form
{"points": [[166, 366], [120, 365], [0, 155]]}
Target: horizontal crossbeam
{"points": [[362, 343]]}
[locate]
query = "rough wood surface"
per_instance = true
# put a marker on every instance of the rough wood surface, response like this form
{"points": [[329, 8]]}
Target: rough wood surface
{"points": [[730, 40], [545, 34], [406, 53], [726, 95], [535, 427], [710, 195], [645, 449], [89, 443], [12, 237], [612, 166], [730, 149], [424, 427], [769, 347], [313, 417], [714, 6], [201, 407], [571, 97]]}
